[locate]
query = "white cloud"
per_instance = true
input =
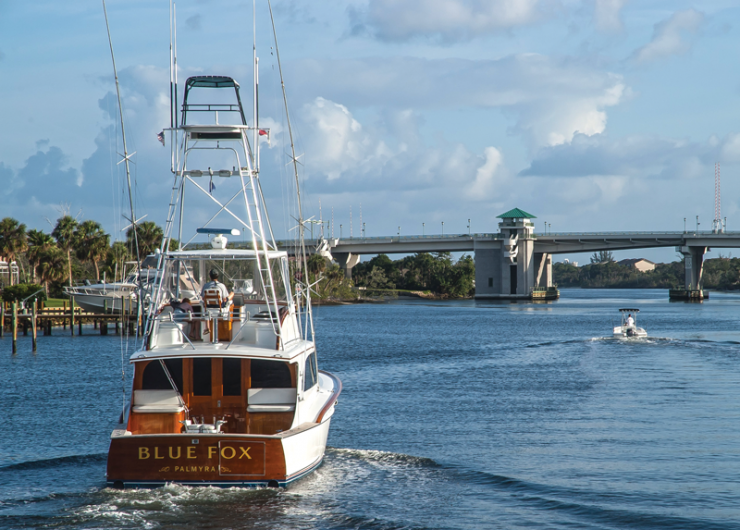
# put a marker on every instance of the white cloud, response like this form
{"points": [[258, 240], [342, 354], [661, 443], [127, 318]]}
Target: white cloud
{"points": [[607, 15], [641, 157], [339, 143], [486, 175], [549, 99], [449, 20], [671, 36], [342, 155]]}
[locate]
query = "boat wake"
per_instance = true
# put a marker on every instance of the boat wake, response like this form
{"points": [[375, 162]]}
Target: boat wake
{"points": [[354, 488], [64, 461]]}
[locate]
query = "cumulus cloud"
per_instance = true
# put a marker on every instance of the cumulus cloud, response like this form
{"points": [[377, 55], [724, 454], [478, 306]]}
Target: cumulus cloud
{"points": [[672, 36], [640, 157], [344, 155], [448, 20], [607, 15], [550, 99]]}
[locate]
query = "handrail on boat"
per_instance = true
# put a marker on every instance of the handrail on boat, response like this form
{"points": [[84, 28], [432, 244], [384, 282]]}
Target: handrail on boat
{"points": [[332, 400]]}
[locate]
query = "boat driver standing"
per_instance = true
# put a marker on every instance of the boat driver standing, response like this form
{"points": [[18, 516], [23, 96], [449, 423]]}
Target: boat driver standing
{"points": [[630, 321], [226, 296]]}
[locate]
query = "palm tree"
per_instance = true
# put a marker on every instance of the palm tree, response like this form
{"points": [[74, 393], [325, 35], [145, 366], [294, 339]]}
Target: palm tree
{"points": [[149, 235], [117, 255], [64, 233], [52, 266], [13, 240], [92, 243], [38, 243]]}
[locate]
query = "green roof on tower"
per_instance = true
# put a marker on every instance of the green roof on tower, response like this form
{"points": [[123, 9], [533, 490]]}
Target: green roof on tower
{"points": [[516, 213]]}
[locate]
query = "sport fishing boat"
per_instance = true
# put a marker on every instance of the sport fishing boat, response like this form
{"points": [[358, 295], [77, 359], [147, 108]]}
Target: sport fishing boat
{"points": [[114, 297], [226, 389], [628, 326]]}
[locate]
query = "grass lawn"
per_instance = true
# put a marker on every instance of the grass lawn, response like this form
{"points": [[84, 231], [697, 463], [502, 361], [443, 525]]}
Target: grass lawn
{"points": [[56, 302]]}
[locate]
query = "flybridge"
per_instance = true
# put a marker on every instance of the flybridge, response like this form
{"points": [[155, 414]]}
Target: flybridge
{"points": [[208, 81]]}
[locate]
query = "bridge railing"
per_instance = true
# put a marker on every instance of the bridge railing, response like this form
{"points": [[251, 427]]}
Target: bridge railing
{"points": [[641, 233], [497, 235]]}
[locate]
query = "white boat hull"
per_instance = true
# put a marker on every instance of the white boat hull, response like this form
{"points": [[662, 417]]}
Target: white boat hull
{"points": [[623, 331], [98, 303]]}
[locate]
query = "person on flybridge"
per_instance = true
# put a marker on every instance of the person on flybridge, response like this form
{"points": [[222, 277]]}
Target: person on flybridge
{"points": [[226, 296]]}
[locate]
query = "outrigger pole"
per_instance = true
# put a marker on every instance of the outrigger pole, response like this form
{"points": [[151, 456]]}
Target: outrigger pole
{"points": [[301, 228], [126, 156]]}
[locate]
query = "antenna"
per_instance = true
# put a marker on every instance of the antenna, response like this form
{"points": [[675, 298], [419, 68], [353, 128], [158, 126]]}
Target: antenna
{"points": [[717, 222]]}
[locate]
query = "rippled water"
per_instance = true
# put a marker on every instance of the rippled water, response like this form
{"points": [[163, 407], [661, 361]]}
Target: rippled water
{"points": [[457, 415]]}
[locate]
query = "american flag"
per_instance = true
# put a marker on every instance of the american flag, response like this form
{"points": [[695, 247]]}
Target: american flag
{"points": [[160, 137]]}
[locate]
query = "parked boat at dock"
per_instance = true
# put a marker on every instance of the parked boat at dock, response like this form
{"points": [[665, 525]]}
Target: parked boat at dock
{"points": [[113, 297]]}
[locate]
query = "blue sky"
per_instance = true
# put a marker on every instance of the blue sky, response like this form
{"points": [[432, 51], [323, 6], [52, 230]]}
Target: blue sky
{"points": [[590, 114]]}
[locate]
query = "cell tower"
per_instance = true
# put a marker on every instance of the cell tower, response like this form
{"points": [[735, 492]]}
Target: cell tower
{"points": [[717, 223]]}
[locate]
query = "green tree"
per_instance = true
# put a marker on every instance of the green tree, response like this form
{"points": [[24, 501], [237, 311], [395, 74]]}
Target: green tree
{"points": [[53, 266], [378, 280], [91, 244], [116, 257], [64, 233], [602, 256], [316, 264], [13, 240], [149, 235], [38, 243]]}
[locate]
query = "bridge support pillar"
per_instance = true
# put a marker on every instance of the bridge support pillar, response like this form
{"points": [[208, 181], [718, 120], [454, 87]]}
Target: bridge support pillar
{"points": [[498, 276], [694, 267], [346, 261], [543, 264]]}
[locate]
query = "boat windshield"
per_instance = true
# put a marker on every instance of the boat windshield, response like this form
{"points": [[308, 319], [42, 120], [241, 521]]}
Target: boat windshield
{"points": [[241, 276]]}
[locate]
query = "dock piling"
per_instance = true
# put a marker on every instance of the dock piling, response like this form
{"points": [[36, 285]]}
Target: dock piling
{"points": [[72, 315], [33, 328], [14, 327]]}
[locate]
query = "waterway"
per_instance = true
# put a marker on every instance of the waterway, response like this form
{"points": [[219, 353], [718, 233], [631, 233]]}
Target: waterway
{"points": [[454, 415]]}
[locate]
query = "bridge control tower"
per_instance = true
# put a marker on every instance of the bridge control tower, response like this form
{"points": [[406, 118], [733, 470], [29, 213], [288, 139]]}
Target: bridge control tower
{"points": [[506, 265]]}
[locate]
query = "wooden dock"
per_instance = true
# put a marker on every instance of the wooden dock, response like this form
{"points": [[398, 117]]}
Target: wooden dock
{"points": [[46, 318]]}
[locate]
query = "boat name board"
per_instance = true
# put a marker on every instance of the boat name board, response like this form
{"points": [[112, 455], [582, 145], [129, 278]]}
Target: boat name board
{"points": [[243, 458]]}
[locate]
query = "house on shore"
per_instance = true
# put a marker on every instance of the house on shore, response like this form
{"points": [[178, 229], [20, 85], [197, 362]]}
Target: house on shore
{"points": [[641, 264]]}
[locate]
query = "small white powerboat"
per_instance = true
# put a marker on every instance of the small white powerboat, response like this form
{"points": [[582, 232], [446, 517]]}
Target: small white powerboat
{"points": [[629, 328]]}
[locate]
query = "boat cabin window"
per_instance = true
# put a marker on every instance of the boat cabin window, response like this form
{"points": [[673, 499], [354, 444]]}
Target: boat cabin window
{"points": [[311, 375], [270, 374], [232, 377], [202, 377], [154, 377]]}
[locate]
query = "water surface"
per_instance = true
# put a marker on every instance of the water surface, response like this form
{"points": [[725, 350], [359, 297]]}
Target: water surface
{"points": [[458, 415]]}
